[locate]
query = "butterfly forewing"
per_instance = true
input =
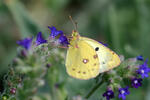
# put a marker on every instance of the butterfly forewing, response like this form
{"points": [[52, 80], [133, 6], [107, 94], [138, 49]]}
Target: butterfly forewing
{"points": [[82, 61]]}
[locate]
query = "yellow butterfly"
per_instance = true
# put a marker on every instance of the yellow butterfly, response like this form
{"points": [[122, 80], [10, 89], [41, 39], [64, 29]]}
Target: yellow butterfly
{"points": [[86, 58]]}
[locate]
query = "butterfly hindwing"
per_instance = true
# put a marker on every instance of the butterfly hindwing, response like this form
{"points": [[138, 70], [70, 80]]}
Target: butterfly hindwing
{"points": [[107, 58], [82, 61]]}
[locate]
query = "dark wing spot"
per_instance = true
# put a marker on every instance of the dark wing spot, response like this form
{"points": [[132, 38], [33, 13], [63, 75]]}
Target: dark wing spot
{"points": [[84, 72], [79, 72], [103, 62], [95, 64], [97, 48]]}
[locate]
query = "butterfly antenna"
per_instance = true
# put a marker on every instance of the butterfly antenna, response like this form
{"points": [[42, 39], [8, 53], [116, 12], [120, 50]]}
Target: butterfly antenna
{"points": [[73, 22]]}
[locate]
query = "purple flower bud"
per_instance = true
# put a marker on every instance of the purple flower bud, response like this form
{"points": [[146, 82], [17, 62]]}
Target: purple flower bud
{"points": [[140, 58], [23, 53], [15, 61], [48, 65], [63, 40], [13, 90]]}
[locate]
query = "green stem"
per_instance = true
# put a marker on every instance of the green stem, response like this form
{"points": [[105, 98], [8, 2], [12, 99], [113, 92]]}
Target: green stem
{"points": [[94, 89]]}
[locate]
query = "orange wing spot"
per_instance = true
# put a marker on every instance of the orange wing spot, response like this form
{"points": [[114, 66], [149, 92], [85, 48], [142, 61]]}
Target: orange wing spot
{"points": [[103, 62], [95, 56]]}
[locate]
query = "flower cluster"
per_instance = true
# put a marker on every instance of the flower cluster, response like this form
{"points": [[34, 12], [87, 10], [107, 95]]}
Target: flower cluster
{"points": [[31, 65], [134, 74], [55, 34]]}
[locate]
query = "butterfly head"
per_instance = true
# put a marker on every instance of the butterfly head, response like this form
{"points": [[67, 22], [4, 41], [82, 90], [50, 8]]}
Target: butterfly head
{"points": [[75, 34], [74, 37]]}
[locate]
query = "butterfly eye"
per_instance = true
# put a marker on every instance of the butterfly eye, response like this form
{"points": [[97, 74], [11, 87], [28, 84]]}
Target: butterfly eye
{"points": [[97, 48]]}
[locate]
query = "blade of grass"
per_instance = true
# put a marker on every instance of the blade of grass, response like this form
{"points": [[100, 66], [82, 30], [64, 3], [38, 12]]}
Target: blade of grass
{"points": [[114, 28], [25, 24]]}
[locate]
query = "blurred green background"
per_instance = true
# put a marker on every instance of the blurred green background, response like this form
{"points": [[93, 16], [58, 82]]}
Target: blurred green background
{"points": [[123, 24]]}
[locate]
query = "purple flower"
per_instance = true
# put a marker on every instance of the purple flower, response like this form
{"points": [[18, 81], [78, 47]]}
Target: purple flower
{"points": [[136, 82], [54, 32], [140, 58], [109, 94], [123, 92], [63, 40], [26, 43], [103, 44], [143, 69], [40, 39]]}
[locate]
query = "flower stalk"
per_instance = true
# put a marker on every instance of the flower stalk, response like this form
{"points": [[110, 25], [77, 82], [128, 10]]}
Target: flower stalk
{"points": [[89, 94]]}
